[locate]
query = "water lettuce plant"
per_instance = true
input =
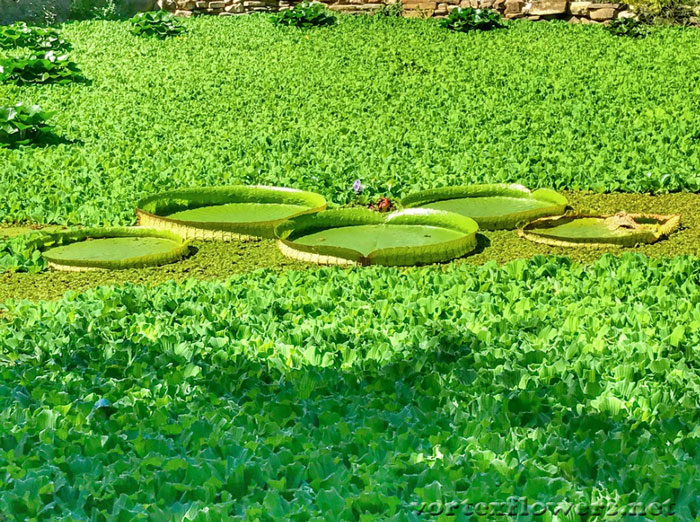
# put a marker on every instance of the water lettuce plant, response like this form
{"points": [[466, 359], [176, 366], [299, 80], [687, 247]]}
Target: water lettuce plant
{"points": [[305, 15], [354, 394], [23, 124], [46, 68], [160, 24]]}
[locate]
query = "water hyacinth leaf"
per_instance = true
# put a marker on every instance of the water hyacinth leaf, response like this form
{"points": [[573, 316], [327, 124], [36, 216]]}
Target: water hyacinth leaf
{"points": [[492, 206], [226, 213], [360, 236], [599, 231]]}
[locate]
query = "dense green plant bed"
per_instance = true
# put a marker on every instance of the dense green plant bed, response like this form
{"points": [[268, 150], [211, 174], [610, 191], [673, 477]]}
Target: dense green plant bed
{"points": [[402, 105], [339, 394]]}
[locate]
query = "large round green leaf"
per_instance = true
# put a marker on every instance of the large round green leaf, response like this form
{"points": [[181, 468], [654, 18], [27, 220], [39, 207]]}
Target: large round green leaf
{"points": [[622, 229], [362, 237], [492, 206], [226, 213], [112, 248]]}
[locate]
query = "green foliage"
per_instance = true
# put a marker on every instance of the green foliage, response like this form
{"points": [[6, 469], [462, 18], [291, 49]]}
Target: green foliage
{"points": [[47, 68], [394, 9], [24, 125], [305, 15], [628, 27], [161, 24], [22, 253], [464, 19], [400, 104], [667, 12], [36, 38], [94, 9], [354, 394]]}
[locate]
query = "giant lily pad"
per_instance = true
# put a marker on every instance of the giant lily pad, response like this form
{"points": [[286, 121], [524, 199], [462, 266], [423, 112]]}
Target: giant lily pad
{"points": [[112, 248], [494, 206], [362, 237], [621, 229], [226, 213]]}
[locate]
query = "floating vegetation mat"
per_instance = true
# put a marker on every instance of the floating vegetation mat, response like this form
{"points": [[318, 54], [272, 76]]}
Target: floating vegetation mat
{"points": [[363, 237], [492, 206], [226, 213], [112, 248], [621, 229]]}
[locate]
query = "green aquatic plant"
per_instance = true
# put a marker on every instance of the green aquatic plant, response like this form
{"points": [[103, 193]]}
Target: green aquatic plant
{"points": [[160, 24], [493, 206], [460, 122], [334, 394], [113, 248], [23, 124], [364, 237], [305, 16], [40, 69], [226, 213], [628, 27], [590, 230], [36, 38], [464, 19]]}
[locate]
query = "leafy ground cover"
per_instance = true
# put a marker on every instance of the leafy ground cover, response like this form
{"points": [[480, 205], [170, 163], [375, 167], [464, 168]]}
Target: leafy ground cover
{"points": [[355, 394], [401, 104], [215, 260]]}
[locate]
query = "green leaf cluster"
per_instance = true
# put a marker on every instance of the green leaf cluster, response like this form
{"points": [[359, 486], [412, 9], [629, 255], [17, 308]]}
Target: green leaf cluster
{"points": [[160, 24], [305, 15], [36, 38], [354, 394], [464, 19], [629, 27], [24, 125], [47, 68]]}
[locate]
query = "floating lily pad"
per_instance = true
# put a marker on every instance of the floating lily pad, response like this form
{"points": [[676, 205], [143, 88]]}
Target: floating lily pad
{"points": [[362, 237], [112, 248], [621, 229], [226, 213], [494, 206]]}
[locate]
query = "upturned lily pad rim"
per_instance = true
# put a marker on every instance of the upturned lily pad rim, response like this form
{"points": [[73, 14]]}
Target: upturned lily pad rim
{"points": [[154, 210], [393, 256], [514, 190], [667, 224], [55, 239]]}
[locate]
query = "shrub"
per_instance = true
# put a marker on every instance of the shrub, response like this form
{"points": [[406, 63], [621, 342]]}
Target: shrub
{"points": [[628, 27], [667, 12], [156, 23], [47, 68], [305, 15], [469, 19], [392, 10], [36, 38], [24, 125]]}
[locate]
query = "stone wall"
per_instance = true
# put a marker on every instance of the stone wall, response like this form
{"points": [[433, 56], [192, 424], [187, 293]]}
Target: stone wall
{"points": [[572, 11]]}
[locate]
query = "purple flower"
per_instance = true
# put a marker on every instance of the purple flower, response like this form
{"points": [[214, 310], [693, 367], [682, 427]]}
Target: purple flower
{"points": [[358, 187]]}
